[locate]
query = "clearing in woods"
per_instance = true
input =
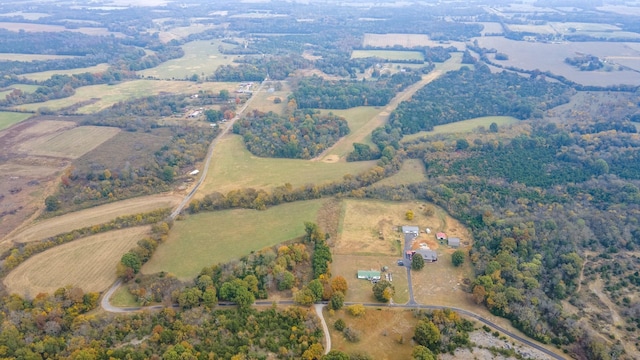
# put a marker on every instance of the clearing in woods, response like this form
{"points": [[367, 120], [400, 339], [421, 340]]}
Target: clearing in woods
{"points": [[360, 129], [200, 57], [44, 75], [390, 40], [103, 96], [93, 216], [412, 171], [9, 118], [180, 32], [464, 126], [88, 263], [69, 144], [385, 334], [209, 238], [388, 54], [234, 167]]}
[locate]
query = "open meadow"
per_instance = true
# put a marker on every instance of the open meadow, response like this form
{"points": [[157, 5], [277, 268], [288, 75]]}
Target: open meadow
{"points": [[362, 121], [71, 143], [385, 333], [93, 216], [525, 55], [88, 263], [390, 55], [33, 27], [464, 126], [9, 118], [103, 96], [44, 75], [200, 57], [234, 167], [209, 238], [180, 32], [389, 40], [412, 171], [32, 57], [264, 100]]}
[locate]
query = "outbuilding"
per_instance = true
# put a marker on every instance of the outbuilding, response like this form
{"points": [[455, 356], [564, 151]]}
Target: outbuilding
{"points": [[453, 242], [369, 275], [441, 236]]}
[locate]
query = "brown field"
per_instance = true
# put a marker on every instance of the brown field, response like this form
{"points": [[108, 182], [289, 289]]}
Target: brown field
{"points": [[524, 55], [32, 57], [71, 143], [88, 263], [29, 27], [380, 330], [389, 40], [93, 216]]}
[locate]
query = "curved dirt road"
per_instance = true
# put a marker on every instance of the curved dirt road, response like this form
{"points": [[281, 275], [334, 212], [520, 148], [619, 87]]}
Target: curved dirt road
{"points": [[325, 329]]}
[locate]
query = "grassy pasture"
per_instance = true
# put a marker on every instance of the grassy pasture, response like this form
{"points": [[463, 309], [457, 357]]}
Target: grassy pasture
{"points": [[182, 32], [32, 57], [29, 27], [412, 171], [71, 143], [199, 57], [263, 100], [359, 119], [26, 15], [107, 95], [388, 54], [44, 75], [93, 216], [25, 87], [234, 167], [9, 118], [209, 238], [381, 328], [404, 40], [88, 263], [538, 29], [491, 28], [465, 126]]}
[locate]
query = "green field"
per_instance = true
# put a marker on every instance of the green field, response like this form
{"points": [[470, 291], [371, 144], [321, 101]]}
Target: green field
{"points": [[209, 238], [234, 167], [199, 57], [464, 126], [357, 118], [9, 118], [412, 171], [25, 88], [107, 95], [44, 75], [388, 54]]}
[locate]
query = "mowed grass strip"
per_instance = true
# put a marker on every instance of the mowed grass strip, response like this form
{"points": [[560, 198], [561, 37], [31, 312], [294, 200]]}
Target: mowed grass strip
{"points": [[388, 54], [93, 216], [9, 118], [44, 75], [89, 263], [234, 167], [71, 143], [210, 238], [107, 95], [358, 118], [462, 127], [199, 57]]}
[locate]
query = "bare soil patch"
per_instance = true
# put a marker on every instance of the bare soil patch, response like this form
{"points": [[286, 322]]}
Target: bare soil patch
{"points": [[88, 263]]}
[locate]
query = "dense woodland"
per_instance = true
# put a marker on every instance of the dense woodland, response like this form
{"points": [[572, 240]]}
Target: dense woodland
{"points": [[302, 135], [316, 93]]}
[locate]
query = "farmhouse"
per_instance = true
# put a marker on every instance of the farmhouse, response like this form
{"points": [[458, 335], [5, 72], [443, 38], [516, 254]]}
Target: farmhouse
{"points": [[427, 255], [368, 274], [441, 236], [453, 242]]}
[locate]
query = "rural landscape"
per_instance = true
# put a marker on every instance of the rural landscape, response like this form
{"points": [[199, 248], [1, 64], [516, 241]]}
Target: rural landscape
{"points": [[318, 179]]}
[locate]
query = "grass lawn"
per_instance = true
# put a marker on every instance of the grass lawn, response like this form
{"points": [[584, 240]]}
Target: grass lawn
{"points": [[123, 298], [44, 75], [465, 126], [107, 95], [209, 238], [234, 167], [388, 54], [199, 57], [412, 171], [9, 118]]}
